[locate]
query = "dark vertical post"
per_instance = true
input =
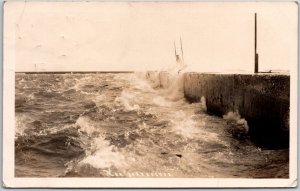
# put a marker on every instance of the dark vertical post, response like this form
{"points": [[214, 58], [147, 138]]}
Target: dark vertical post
{"points": [[255, 46]]}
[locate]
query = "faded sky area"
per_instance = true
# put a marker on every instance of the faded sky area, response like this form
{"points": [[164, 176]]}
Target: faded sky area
{"points": [[97, 36]]}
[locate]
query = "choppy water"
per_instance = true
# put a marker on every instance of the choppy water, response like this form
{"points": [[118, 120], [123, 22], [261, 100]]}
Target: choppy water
{"points": [[117, 125]]}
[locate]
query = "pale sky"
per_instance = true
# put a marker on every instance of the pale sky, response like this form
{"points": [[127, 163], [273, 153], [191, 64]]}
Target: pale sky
{"points": [[97, 36]]}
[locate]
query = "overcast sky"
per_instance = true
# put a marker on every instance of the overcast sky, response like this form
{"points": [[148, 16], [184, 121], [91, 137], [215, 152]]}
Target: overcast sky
{"points": [[97, 36]]}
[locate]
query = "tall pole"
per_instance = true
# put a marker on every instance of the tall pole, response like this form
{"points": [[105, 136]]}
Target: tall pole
{"points": [[255, 46], [255, 31]]}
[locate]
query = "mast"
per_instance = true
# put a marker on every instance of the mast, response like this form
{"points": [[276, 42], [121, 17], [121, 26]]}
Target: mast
{"points": [[175, 48], [181, 51]]}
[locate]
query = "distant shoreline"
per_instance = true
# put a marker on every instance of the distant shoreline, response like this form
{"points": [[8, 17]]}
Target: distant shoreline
{"points": [[120, 72], [75, 72]]}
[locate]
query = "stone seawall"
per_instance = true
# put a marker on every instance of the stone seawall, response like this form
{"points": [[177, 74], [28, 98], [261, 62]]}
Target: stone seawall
{"points": [[262, 99]]}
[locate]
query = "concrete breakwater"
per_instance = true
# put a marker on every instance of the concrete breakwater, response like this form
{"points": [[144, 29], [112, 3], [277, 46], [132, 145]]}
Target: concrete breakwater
{"points": [[262, 99]]}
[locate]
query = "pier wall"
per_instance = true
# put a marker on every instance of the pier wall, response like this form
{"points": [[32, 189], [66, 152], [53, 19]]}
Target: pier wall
{"points": [[262, 99]]}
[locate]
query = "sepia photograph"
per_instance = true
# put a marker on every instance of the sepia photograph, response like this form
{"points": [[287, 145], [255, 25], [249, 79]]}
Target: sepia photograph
{"points": [[150, 94]]}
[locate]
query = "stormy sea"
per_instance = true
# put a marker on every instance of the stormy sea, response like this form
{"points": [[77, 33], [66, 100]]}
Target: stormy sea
{"points": [[123, 125]]}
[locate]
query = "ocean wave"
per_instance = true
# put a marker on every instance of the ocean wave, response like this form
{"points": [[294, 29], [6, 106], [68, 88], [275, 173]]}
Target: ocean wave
{"points": [[103, 155]]}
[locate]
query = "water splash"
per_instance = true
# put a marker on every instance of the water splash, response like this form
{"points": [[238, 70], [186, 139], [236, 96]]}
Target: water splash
{"points": [[127, 99], [86, 125], [20, 125], [175, 91], [201, 106], [235, 117], [161, 101], [103, 155]]}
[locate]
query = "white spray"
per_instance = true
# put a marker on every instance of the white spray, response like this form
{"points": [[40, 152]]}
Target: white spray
{"points": [[236, 118]]}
